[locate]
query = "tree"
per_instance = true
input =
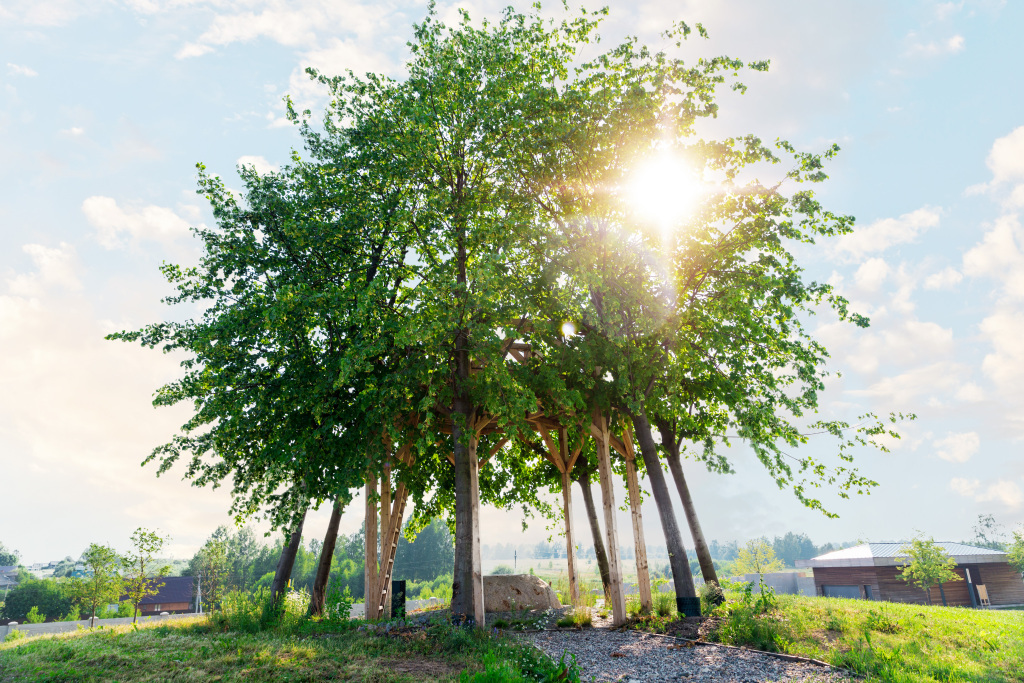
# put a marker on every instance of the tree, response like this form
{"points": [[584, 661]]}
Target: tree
{"points": [[927, 565], [325, 550], [141, 578], [988, 533], [48, 595], [793, 547], [8, 558], [102, 585], [757, 557], [210, 567], [1015, 553]]}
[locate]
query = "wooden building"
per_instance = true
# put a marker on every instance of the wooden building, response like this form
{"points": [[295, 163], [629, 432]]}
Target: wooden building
{"points": [[871, 571], [175, 596]]}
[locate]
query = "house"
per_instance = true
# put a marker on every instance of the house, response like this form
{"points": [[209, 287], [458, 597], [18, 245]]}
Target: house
{"points": [[871, 571], [175, 596]]}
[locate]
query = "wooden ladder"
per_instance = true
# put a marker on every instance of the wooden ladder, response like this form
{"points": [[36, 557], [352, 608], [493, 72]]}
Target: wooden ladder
{"points": [[387, 563]]}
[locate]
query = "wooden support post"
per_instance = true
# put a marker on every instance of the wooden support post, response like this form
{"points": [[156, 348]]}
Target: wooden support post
{"points": [[570, 541], [474, 500], [604, 467], [385, 522], [643, 576], [371, 545]]}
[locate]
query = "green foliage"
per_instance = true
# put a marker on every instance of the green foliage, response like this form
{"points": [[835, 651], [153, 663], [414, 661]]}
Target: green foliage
{"points": [[664, 603], [711, 596], [15, 635], [927, 565], [502, 570], [102, 586], [50, 596], [756, 557], [210, 567], [140, 576], [1015, 553], [8, 558], [34, 617]]}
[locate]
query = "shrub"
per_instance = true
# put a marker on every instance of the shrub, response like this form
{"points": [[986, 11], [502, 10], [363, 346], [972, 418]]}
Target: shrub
{"points": [[47, 594], [14, 635], [711, 596], [665, 603], [502, 569], [34, 617]]}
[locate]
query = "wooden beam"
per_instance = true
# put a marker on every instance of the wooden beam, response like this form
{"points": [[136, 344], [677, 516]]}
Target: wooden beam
{"points": [[556, 455], [604, 468], [371, 544], [494, 450], [613, 441], [643, 576], [570, 541]]}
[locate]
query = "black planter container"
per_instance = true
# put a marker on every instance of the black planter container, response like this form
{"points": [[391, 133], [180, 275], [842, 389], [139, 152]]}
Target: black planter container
{"points": [[688, 607], [398, 600]]}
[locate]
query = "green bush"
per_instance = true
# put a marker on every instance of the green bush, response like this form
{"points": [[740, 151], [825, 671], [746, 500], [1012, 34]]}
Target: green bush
{"points": [[48, 595], [502, 570], [711, 596]]}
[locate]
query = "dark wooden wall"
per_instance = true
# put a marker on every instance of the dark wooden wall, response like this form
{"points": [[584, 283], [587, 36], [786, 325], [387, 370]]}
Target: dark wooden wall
{"points": [[1004, 585]]}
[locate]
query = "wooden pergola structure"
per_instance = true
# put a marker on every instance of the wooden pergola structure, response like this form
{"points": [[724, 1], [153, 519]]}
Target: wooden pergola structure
{"points": [[380, 553]]}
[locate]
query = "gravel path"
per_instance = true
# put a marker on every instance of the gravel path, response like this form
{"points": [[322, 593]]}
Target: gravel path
{"points": [[634, 656]]}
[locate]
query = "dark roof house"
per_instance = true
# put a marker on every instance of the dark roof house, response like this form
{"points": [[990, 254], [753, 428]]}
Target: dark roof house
{"points": [[176, 595], [871, 571]]}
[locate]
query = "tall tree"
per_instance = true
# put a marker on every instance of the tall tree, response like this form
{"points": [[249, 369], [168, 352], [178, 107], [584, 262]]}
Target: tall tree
{"points": [[142, 574], [318, 595], [926, 565], [102, 585]]}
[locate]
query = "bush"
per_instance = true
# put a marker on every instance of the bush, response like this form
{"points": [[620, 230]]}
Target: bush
{"points": [[34, 617], [711, 596], [502, 570], [47, 595]]}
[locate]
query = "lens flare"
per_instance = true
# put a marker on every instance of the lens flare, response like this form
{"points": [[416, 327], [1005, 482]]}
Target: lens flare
{"points": [[664, 190], [568, 329]]}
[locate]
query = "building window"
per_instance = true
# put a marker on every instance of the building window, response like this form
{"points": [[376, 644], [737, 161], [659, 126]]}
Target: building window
{"points": [[867, 592]]}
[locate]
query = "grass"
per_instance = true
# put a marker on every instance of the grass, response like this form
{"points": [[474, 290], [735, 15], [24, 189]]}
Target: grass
{"points": [[297, 650], [890, 642]]}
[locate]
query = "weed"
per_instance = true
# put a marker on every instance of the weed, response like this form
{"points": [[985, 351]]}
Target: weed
{"points": [[665, 604], [882, 621], [711, 596]]}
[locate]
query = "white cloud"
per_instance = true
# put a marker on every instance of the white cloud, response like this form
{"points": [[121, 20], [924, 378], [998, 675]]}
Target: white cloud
{"points": [[18, 70], [259, 163], [970, 393], [1006, 160], [1005, 364], [965, 487], [947, 278], [999, 255], [147, 223], [934, 48], [881, 235], [957, 447], [910, 388], [872, 274], [1006, 492], [54, 267]]}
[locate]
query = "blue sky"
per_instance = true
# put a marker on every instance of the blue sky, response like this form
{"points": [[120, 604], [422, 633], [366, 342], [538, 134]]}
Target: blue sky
{"points": [[105, 107]]}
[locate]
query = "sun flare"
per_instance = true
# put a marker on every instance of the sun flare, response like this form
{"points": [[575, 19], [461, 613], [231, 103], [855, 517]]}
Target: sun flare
{"points": [[664, 190]]}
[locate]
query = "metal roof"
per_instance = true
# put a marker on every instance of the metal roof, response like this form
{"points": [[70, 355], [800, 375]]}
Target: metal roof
{"points": [[891, 553]]}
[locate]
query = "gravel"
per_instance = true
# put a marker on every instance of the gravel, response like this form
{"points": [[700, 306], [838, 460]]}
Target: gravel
{"points": [[633, 656]]}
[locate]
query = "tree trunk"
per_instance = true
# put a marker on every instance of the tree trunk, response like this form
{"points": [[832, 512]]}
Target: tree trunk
{"points": [[673, 538], [287, 561], [323, 570], [595, 530], [700, 546]]}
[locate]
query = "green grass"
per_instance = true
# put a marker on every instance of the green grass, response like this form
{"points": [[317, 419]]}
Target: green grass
{"points": [[198, 650], [889, 642]]}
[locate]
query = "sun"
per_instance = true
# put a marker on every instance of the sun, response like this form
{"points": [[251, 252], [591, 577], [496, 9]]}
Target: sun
{"points": [[664, 190]]}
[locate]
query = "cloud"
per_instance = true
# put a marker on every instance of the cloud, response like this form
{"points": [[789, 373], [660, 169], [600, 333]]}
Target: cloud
{"points": [[882, 234], [147, 223], [1005, 364], [947, 278], [999, 255], [872, 274], [17, 70], [261, 165], [957, 447], [1006, 492], [951, 45], [55, 267], [1006, 161], [910, 388]]}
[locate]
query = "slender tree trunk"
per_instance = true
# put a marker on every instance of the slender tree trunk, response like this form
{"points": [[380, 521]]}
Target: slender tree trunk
{"points": [[700, 546], [323, 570], [673, 538], [467, 582], [287, 561], [595, 530]]}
